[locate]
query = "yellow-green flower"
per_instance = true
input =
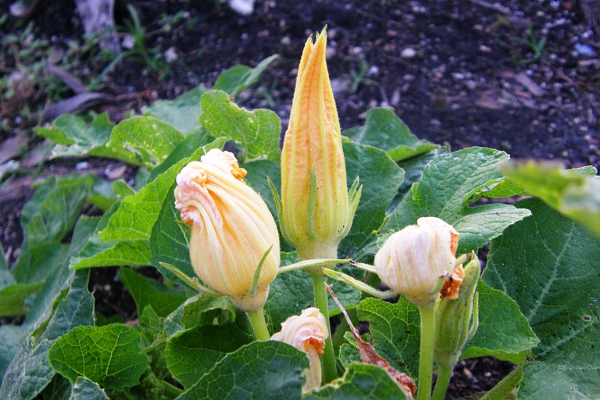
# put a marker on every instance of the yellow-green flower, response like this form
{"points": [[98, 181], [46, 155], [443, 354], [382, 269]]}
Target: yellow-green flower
{"points": [[316, 210], [232, 229]]}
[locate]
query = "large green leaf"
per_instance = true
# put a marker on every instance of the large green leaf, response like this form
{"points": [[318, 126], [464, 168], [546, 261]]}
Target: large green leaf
{"points": [[574, 193], [238, 78], [98, 253], [549, 266], [9, 346], [144, 141], [30, 371], [85, 389], [75, 138], [12, 298], [257, 131], [54, 208], [447, 185], [395, 332], [259, 370], [169, 242], [145, 292], [38, 261], [192, 353], [384, 130], [361, 381], [182, 112], [380, 178], [495, 336], [108, 355]]}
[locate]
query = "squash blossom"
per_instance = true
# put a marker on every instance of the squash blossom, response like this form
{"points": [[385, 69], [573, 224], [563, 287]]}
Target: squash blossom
{"points": [[415, 260], [306, 332], [316, 209], [232, 229]]}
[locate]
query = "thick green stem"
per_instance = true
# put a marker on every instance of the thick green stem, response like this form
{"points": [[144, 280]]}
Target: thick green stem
{"points": [[259, 326], [506, 385], [320, 292], [170, 391], [441, 383], [426, 356]]}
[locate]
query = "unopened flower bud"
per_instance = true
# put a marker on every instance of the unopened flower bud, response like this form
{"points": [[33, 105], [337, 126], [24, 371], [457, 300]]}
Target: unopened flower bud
{"points": [[414, 260], [316, 208], [232, 229], [306, 332], [456, 319]]}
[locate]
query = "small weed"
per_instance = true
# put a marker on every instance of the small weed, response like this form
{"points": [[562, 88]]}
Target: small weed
{"points": [[536, 46], [358, 77]]}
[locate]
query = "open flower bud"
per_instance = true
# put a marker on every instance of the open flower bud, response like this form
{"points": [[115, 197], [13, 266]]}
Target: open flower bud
{"points": [[306, 332], [232, 229], [316, 208], [414, 260], [456, 319]]}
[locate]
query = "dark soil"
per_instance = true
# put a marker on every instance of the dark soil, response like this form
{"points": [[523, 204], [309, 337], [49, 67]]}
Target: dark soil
{"points": [[457, 72]]}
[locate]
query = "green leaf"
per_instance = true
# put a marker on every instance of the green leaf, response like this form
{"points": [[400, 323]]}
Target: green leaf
{"points": [[257, 131], [238, 78], [385, 131], [137, 214], [259, 370], [108, 355], [192, 353], [38, 261], [97, 253], [446, 185], [574, 193], [395, 332], [59, 388], [144, 141], [208, 310], [12, 298], [54, 208], [30, 371], [45, 302], [75, 138], [149, 292], [495, 336], [181, 113], [10, 335], [380, 178], [549, 266], [85, 389], [413, 169], [169, 242], [361, 381]]}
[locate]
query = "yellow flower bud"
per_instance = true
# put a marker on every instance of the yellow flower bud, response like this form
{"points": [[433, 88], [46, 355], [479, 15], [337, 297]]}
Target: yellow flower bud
{"points": [[232, 229], [316, 210], [412, 261], [306, 332]]}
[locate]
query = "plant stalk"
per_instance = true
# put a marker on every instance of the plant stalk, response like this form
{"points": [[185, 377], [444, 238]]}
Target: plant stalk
{"points": [[320, 292], [506, 385], [170, 390], [441, 384], [426, 351], [259, 326]]}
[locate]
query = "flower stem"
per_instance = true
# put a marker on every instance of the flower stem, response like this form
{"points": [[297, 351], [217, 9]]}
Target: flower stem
{"points": [[259, 326], [506, 385], [328, 358], [426, 351], [441, 384]]}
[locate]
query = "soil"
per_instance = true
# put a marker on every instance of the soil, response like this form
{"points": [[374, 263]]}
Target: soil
{"points": [[461, 73]]}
